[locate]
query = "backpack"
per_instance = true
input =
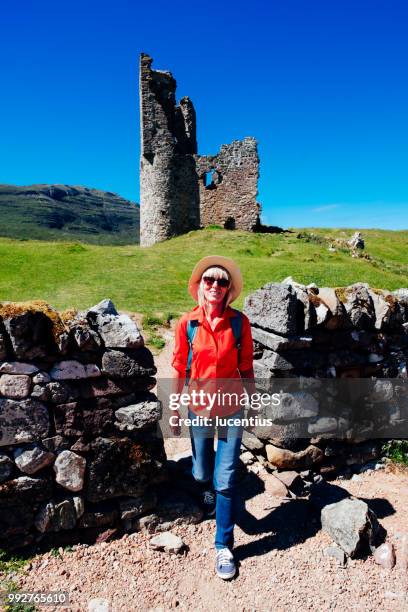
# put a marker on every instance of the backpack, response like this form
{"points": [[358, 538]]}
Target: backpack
{"points": [[192, 326]]}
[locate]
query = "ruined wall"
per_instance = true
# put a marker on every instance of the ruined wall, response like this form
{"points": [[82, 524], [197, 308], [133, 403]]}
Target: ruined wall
{"points": [[176, 192], [169, 198], [228, 185], [78, 445], [341, 355]]}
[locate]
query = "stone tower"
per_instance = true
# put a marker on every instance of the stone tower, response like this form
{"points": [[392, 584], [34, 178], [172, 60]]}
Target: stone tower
{"points": [[169, 193]]}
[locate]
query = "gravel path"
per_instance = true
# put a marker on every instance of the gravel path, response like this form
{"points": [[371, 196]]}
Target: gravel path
{"points": [[278, 545]]}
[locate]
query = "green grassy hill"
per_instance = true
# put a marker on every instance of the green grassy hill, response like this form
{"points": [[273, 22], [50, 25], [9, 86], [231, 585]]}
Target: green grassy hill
{"points": [[62, 212], [154, 279]]}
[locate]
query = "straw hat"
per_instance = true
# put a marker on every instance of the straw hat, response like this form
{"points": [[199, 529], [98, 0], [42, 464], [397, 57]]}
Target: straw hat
{"points": [[223, 262]]}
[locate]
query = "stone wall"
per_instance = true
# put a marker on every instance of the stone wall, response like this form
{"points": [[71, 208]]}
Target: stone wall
{"points": [[177, 193], [229, 198], [78, 444], [317, 339]]}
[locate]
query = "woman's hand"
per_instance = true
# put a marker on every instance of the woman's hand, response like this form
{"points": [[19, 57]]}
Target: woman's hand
{"points": [[175, 423]]}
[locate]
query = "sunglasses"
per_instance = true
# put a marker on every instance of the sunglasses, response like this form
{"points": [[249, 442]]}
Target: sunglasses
{"points": [[210, 280]]}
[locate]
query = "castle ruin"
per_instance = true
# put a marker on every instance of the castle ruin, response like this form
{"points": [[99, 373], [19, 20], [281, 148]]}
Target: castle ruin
{"points": [[180, 190]]}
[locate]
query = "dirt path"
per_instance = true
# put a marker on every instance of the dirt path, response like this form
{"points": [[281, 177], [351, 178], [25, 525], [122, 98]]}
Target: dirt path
{"points": [[279, 547]]}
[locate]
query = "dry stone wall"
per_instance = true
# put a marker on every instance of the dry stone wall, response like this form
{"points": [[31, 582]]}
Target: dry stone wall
{"points": [[78, 445], [317, 339]]}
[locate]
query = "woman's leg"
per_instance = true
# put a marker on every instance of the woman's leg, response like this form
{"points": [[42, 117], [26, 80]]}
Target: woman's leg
{"points": [[225, 471], [202, 447]]}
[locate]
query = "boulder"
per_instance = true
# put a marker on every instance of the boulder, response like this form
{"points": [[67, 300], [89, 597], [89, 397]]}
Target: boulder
{"points": [[279, 343], [121, 467], [24, 489], [294, 406], [56, 516], [274, 308], [118, 364], [15, 386], [274, 486], [73, 370], [351, 524], [30, 459], [104, 387], [138, 416], [358, 305], [16, 367], [167, 541], [285, 459], [23, 421], [30, 334], [117, 331], [70, 470]]}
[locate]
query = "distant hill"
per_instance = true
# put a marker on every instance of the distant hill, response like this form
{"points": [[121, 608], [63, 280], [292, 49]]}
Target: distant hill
{"points": [[63, 212]]}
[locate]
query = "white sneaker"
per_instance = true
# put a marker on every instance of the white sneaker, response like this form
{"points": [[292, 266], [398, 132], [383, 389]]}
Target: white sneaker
{"points": [[225, 564]]}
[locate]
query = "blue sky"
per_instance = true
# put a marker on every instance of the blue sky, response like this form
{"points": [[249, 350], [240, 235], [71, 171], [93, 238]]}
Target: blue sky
{"points": [[321, 84]]}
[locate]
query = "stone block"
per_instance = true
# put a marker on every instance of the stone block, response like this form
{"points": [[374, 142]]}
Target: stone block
{"points": [[121, 467], [137, 363], [69, 470], [74, 370], [285, 459], [32, 458], [277, 343], [22, 421], [16, 367], [351, 524], [30, 335], [138, 416], [273, 308], [15, 386]]}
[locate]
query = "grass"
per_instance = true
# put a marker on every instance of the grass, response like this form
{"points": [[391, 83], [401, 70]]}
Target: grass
{"points": [[152, 324], [154, 280], [397, 451], [13, 564]]}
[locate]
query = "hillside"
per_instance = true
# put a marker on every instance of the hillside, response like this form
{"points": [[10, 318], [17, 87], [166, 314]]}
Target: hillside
{"points": [[61, 212], [154, 279]]}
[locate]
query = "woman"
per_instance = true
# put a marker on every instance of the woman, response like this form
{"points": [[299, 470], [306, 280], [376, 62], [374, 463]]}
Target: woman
{"points": [[217, 354]]}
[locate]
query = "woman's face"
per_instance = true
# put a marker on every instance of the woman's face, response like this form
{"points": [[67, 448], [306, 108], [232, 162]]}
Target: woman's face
{"points": [[215, 289]]}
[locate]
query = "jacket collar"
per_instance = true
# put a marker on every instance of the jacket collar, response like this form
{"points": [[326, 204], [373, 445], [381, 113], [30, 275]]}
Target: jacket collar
{"points": [[197, 314]]}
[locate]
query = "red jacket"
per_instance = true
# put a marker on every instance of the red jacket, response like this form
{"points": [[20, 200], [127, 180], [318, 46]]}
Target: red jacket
{"points": [[215, 356]]}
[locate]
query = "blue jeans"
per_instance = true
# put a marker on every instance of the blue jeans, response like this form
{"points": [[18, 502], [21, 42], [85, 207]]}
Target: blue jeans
{"points": [[220, 467]]}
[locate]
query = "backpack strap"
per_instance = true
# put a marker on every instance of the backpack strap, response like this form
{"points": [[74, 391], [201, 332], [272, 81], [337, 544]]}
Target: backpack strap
{"points": [[236, 324], [192, 327]]}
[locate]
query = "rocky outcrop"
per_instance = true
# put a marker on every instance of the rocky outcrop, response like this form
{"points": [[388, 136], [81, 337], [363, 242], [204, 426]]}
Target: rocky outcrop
{"points": [[78, 423]]}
